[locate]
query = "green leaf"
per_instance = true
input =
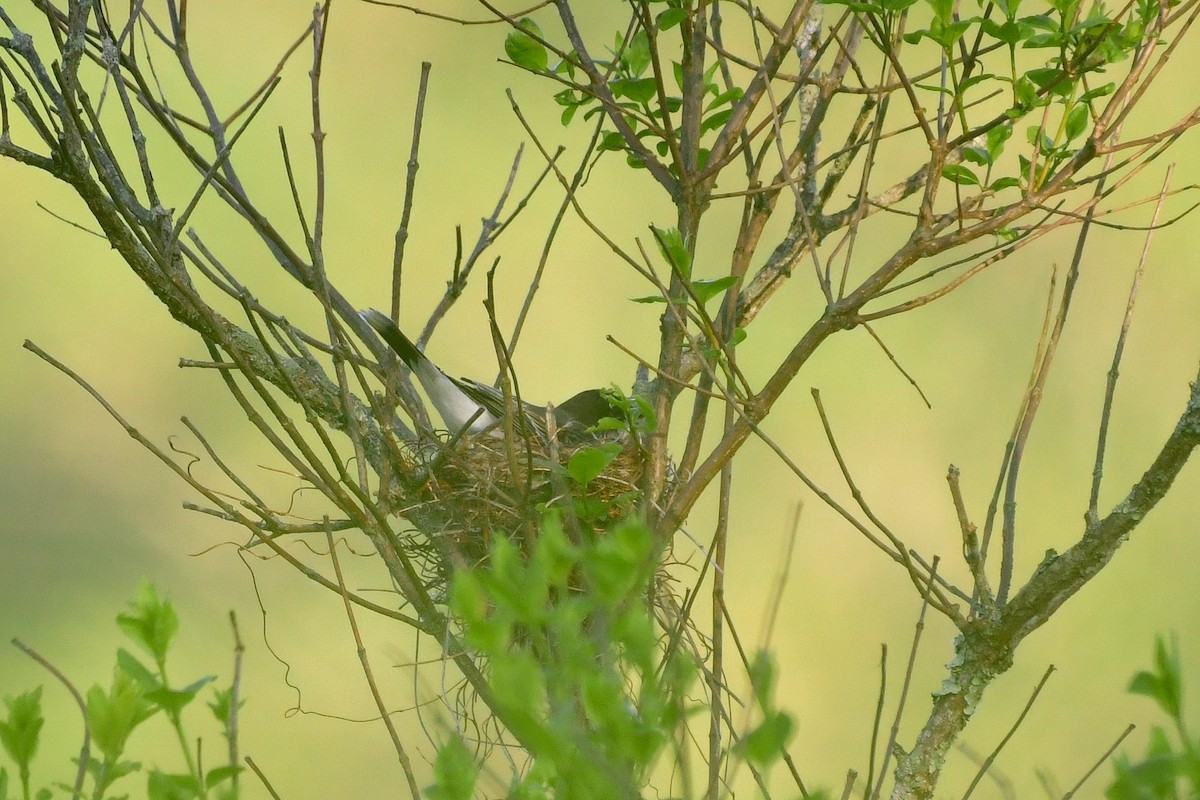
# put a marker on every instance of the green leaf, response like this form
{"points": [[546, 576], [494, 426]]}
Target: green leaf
{"points": [[1042, 22], [135, 669], [766, 742], [948, 33], [647, 413], [222, 705], [975, 80], [1050, 79], [488, 630], [671, 17], [725, 98], [20, 730], [611, 141], [518, 681], [1099, 91], [107, 773], [113, 715], [454, 772], [608, 424], [671, 245], [218, 775], [976, 155], [634, 630], [568, 97], [523, 49], [566, 66], [586, 464], [1008, 32], [1055, 40], [1164, 686], [639, 90], [1077, 120], [468, 598], [931, 87], [1026, 92], [151, 622], [960, 174], [1153, 778], [508, 567], [620, 561], [161, 786], [636, 56], [708, 289], [1009, 7], [762, 678], [173, 701], [715, 121], [554, 551], [996, 137], [1037, 137]]}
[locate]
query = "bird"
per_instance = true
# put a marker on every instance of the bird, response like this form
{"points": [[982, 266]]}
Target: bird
{"points": [[474, 407]]}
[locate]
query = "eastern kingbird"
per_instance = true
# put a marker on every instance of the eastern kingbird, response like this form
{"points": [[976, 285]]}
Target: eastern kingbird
{"points": [[476, 407]]}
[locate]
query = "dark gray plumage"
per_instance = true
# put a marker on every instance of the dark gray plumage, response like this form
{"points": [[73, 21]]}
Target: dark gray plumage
{"points": [[476, 407]]}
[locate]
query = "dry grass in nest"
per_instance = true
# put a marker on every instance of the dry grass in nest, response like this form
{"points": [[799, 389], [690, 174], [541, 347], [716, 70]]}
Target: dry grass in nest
{"points": [[482, 490]]}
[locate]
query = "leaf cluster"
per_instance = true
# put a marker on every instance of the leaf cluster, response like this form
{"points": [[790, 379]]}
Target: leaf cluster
{"points": [[644, 99], [136, 694], [1168, 771], [578, 667], [1079, 43]]}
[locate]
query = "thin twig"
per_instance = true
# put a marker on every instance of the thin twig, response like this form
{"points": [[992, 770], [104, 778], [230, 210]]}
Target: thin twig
{"points": [[410, 183], [982, 591], [84, 749], [486, 230], [262, 777], [848, 786], [1099, 762], [904, 687], [365, 661], [1032, 403], [878, 721], [1110, 387], [991, 758], [900, 548], [717, 656], [213, 497], [235, 688]]}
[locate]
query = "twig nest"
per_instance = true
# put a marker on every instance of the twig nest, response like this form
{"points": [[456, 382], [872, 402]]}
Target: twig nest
{"points": [[484, 485]]}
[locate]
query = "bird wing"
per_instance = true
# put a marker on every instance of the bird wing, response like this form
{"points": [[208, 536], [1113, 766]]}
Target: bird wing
{"points": [[464, 403], [458, 402], [583, 410], [531, 419]]}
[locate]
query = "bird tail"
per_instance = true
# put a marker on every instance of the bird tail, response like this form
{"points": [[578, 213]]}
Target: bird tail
{"points": [[391, 334]]}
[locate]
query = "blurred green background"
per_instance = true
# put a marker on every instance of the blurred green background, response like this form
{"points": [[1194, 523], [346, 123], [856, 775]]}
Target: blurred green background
{"points": [[88, 512]]}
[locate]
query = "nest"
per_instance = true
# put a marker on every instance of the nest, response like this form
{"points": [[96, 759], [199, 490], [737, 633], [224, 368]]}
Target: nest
{"points": [[477, 488], [480, 488]]}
